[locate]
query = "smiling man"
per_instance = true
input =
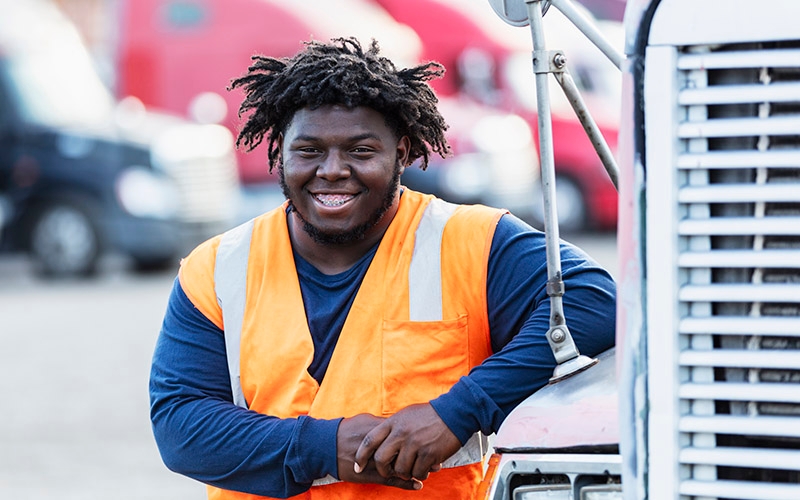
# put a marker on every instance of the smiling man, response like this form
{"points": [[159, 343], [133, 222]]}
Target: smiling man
{"points": [[359, 340]]}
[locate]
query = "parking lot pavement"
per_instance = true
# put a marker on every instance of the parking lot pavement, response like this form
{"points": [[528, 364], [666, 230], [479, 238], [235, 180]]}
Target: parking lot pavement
{"points": [[74, 366]]}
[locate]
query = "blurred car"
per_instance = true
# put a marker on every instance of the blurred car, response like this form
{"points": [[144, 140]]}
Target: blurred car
{"points": [[83, 175], [492, 64], [172, 52]]}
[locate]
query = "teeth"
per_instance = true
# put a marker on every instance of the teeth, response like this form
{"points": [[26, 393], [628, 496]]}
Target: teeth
{"points": [[333, 200]]}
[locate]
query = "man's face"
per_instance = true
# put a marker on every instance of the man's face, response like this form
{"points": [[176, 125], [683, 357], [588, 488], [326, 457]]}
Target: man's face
{"points": [[341, 171]]}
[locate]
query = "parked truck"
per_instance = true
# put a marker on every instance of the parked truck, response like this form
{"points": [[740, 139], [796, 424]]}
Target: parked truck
{"points": [[82, 175], [175, 54], [491, 64], [700, 398]]}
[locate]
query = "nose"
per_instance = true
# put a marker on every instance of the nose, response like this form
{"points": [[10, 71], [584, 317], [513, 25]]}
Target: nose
{"points": [[334, 166]]}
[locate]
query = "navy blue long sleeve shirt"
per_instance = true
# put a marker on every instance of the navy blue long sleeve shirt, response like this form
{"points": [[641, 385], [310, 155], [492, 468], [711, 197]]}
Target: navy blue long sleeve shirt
{"points": [[201, 434]]}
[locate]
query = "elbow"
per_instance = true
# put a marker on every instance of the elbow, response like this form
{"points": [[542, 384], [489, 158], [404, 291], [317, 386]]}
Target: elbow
{"points": [[170, 448]]}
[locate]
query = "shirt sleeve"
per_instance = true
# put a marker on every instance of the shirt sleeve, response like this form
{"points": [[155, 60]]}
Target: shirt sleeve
{"points": [[200, 432], [519, 318]]}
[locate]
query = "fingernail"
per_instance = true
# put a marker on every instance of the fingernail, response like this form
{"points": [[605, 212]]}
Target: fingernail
{"points": [[417, 485], [357, 468]]}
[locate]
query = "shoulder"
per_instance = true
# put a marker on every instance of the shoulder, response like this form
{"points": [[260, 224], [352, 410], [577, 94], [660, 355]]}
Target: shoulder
{"points": [[198, 269], [196, 275]]}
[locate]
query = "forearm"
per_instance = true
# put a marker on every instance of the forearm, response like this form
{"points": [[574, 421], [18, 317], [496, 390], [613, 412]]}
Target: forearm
{"points": [[202, 434], [484, 398], [519, 317], [236, 449]]}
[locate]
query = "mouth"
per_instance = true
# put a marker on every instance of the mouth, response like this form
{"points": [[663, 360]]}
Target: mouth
{"points": [[333, 200]]}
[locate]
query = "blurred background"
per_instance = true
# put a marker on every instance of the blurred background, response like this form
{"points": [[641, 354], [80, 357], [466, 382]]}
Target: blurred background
{"points": [[117, 157]]}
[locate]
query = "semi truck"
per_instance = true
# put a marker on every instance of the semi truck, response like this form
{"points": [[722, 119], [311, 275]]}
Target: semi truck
{"points": [[83, 175], [700, 397], [176, 54]]}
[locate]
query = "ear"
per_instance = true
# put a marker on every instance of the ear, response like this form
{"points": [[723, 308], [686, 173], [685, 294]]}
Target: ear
{"points": [[404, 151]]}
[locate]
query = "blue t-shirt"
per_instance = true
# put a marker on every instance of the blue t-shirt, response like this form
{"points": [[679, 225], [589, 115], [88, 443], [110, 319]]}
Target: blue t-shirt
{"points": [[201, 434]]}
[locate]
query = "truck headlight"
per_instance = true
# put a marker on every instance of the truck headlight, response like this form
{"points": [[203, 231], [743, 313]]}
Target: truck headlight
{"points": [[190, 143], [602, 492], [544, 492], [564, 492], [142, 193]]}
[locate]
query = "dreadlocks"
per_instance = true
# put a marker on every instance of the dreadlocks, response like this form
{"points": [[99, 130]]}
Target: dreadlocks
{"points": [[341, 72]]}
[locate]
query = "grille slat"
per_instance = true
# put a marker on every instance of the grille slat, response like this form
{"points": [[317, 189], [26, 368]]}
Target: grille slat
{"points": [[743, 457], [789, 158], [733, 391], [741, 426], [738, 325], [740, 59], [740, 193], [746, 226], [742, 490], [732, 358], [738, 127], [740, 258], [739, 94], [740, 293]]}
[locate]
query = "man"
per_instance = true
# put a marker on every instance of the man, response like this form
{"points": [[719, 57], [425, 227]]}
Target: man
{"points": [[353, 342]]}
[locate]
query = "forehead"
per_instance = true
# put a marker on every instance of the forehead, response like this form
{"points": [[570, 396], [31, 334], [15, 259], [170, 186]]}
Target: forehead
{"points": [[338, 120]]}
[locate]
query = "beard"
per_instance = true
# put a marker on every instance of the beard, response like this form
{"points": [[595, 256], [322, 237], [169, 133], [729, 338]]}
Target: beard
{"points": [[355, 234]]}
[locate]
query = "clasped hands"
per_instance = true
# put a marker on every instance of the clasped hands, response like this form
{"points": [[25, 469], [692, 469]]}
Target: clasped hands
{"points": [[399, 451]]}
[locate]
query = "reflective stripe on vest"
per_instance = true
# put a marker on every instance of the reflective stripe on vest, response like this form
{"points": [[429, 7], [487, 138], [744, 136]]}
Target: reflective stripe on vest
{"points": [[230, 282], [425, 300]]}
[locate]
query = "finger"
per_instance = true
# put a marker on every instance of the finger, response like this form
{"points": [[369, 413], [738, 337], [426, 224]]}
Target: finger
{"points": [[396, 482], [369, 445], [404, 463], [385, 457], [423, 465]]}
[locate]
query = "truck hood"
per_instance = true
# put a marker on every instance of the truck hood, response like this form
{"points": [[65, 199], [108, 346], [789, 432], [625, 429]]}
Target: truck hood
{"points": [[575, 414]]}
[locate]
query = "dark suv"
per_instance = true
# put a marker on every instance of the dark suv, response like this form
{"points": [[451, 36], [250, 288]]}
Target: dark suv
{"points": [[81, 174]]}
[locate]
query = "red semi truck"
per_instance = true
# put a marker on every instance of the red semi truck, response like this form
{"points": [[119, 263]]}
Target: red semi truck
{"points": [[180, 55], [491, 65]]}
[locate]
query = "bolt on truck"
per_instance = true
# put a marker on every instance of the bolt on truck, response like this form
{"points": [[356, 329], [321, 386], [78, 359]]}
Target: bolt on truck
{"points": [[700, 398]]}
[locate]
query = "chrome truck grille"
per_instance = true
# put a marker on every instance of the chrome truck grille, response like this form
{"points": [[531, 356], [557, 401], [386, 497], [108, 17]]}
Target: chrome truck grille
{"points": [[200, 159], [208, 189], [723, 269]]}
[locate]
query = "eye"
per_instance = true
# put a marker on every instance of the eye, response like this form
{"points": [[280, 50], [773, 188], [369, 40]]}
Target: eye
{"points": [[307, 151], [362, 151]]}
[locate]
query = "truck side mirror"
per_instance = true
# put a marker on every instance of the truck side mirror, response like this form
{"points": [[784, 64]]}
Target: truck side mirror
{"points": [[515, 12]]}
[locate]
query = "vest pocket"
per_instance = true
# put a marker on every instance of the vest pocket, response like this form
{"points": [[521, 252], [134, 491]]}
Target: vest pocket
{"points": [[422, 360]]}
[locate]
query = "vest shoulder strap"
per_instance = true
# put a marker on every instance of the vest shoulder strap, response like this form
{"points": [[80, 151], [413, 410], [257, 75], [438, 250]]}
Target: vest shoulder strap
{"points": [[425, 271], [230, 284]]}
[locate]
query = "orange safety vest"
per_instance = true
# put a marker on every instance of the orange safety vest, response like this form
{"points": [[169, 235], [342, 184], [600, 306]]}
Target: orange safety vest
{"points": [[418, 323]]}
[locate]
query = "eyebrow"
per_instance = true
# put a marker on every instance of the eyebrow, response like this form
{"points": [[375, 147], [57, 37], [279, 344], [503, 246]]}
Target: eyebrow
{"points": [[355, 138]]}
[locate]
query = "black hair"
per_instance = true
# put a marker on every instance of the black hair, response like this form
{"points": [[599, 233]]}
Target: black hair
{"points": [[341, 72]]}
